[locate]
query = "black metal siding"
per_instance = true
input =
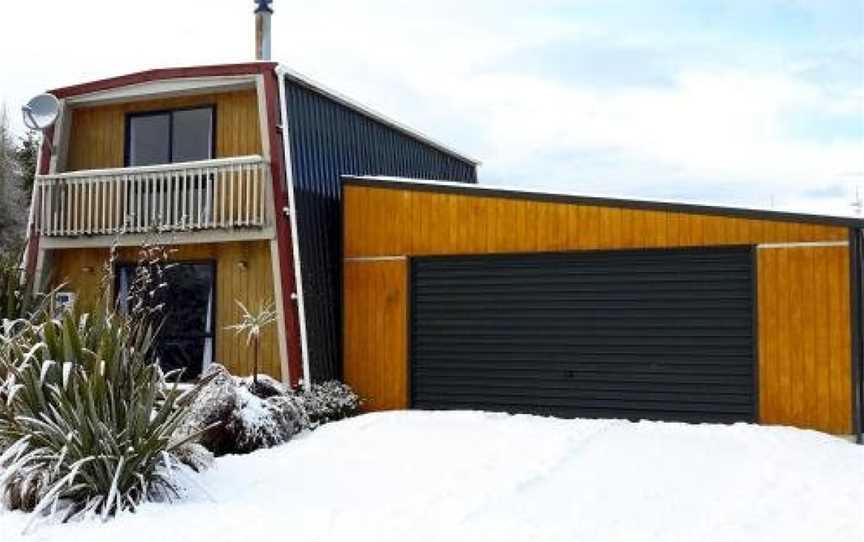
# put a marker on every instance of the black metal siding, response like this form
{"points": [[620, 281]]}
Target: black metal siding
{"points": [[656, 334], [328, 140], [855, 274]]}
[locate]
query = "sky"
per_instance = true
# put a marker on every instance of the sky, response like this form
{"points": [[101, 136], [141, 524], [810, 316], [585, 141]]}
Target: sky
{"points": [[739, 102]]}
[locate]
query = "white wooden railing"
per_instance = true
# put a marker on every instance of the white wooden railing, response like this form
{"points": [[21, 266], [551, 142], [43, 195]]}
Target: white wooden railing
{"points": [[210, 194]]}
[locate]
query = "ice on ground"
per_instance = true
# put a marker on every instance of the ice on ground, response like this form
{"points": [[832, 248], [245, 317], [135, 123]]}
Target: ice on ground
{"points": [[424, 476]]}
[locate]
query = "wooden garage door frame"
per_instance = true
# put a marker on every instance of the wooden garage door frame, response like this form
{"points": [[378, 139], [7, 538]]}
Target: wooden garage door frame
{"points": [[751, 249]]}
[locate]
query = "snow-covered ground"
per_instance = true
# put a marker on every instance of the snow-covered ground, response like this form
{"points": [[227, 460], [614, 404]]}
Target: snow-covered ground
{"points": [[417, 476]]}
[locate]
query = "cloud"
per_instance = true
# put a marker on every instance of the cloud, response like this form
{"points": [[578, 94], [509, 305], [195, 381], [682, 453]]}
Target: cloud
{"points": [[592, 107], [736, 101], [593, 63]]}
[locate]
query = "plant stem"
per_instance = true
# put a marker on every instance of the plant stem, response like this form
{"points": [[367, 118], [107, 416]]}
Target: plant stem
{"points": [[255, 371]]}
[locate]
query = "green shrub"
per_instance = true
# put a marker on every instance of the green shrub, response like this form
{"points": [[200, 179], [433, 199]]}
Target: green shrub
{"points": [[17, 298], [87, 417]]}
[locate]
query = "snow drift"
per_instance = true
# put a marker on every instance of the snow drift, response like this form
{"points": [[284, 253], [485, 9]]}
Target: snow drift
{"points": [[425, 476]]}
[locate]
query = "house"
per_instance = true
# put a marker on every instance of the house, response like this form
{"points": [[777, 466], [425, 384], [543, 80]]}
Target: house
{"points": [[392, 269], [237, 167], [470, 296]]}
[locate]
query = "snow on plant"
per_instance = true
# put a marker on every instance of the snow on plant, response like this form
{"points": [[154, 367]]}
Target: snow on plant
{"points": [[330, 401], [251, 325], [86, 414]]}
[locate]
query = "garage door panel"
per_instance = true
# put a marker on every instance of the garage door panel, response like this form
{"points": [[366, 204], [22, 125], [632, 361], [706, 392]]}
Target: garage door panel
{"points": [[619, 372], [660, 267], [596, 350], [604, 383], [615, 408], [640, 334], [612, 399], [621, 376]]}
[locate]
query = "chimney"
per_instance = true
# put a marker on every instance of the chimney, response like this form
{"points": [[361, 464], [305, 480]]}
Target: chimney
{"points": [[263, 11]]}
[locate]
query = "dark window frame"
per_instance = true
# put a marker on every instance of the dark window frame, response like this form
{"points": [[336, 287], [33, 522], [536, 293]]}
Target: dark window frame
{"points": [[212, 335], [170, 112]]}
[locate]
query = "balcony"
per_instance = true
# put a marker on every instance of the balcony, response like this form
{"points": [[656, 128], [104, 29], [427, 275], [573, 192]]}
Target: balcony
{"points": [[228, 194]]}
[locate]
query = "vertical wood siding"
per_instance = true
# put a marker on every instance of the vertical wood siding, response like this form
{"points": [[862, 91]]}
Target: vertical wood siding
{"points": [[386, 222], [97, 134], [804, 339], [376, 316], [804, 312], [250, 286]]}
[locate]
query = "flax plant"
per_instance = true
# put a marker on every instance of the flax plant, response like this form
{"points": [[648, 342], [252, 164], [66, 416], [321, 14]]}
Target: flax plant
{"points": [[87, 417]]}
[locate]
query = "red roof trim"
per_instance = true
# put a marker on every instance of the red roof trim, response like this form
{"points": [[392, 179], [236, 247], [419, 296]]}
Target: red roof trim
{"points": [[218, 70]]}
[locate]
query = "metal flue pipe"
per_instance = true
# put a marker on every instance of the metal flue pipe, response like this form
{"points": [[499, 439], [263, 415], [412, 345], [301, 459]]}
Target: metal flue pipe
{"points": [[263, 12]]}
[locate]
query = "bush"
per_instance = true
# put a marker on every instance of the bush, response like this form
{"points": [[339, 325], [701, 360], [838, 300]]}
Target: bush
{"points": [[17, 299], [236, 415], [329, 402], [87, 417]]}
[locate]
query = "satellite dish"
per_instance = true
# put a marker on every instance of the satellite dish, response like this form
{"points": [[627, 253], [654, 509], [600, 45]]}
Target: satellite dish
{"points": [[40, 113]]}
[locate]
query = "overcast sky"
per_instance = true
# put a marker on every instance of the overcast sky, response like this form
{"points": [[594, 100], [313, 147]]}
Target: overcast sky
{"points": [[740, 102]]}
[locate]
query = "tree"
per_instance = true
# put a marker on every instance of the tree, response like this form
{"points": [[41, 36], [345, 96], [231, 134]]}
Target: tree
{"points": [[26, 155], [13, 203]]}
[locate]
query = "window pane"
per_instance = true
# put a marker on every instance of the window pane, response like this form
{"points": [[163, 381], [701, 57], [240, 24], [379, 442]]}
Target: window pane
{"points": [[187, 299], [185, 338], [193, 134], [148, 139]]}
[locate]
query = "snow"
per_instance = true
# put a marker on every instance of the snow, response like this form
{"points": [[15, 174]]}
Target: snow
{"points": [[425, 476]]}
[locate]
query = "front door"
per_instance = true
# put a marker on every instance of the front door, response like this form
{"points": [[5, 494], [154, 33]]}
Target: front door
{"points": [[185, 338]]}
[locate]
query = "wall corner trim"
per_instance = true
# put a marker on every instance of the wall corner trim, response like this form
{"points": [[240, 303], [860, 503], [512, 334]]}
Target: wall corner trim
{"points": [[857, 365]]}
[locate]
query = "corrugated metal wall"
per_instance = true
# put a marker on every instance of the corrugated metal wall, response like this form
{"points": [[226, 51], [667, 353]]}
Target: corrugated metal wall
{"points": [[645, 334], [328, 140]]}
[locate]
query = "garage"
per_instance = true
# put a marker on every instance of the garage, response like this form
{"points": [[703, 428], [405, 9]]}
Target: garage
{"points": [[650, 334], [461, 296]]}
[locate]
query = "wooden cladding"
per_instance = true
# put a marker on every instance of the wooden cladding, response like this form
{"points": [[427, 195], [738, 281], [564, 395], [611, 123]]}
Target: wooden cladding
{"points": [[384, 222], [97, 133], [243, 273], [375, 321], [804, 330], [804, 339]]}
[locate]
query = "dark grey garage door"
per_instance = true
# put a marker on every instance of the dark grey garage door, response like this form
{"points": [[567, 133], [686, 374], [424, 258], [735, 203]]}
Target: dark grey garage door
{"points": [[655, 334]]}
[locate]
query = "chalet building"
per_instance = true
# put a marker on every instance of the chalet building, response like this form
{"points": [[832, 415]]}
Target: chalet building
{"points": [[238, 167], [391, 269]]}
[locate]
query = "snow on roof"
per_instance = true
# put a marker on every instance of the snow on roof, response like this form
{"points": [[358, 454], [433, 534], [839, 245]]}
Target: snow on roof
{"points": [[369, 112], [600, 199]]}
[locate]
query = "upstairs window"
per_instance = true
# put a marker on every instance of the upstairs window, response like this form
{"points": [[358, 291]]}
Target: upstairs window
{"points": [[163, 137]]}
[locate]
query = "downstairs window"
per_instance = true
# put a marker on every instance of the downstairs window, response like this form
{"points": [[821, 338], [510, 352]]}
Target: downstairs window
{"points": [[186, 338]]}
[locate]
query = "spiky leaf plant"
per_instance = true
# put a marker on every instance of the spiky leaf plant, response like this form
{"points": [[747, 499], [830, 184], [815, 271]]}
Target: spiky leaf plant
{"points": [[251, 324], [86, 415]]}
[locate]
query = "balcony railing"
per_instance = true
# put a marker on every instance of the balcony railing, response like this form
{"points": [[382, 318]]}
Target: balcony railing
{"points": [[223, 193]]}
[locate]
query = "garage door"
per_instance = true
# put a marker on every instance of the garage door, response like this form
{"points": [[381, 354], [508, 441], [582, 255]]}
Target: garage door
{"points": [[654, 334]]}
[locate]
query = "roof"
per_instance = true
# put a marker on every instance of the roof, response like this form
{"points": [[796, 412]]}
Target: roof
{"points": [[425, 185], [216, 70], [250, 68]]}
